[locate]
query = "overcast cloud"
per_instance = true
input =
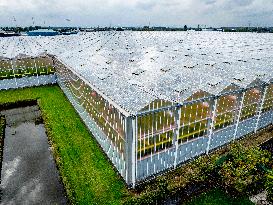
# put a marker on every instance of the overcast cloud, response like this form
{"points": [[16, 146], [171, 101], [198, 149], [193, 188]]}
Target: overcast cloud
{"points": [[137, 12]]}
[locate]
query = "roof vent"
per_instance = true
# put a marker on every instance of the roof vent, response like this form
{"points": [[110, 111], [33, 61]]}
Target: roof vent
{"points": [[103, 76], [261, 74], [165, 69], [210, 63], [214, 81], [180, 89], [190, 65], [135, 82], [138, 71], [241, 60], [256, 59], [239, 77]]}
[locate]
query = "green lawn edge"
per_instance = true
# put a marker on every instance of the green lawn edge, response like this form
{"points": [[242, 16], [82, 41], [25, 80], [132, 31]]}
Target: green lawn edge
{"points": [[86, 173]]}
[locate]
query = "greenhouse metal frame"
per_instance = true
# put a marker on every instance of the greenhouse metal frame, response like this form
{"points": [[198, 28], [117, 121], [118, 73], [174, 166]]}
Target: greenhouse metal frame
{"points": [[152, 109]]}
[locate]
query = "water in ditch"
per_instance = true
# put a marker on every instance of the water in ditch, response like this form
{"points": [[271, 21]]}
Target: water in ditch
{"points": [[29, 174]]}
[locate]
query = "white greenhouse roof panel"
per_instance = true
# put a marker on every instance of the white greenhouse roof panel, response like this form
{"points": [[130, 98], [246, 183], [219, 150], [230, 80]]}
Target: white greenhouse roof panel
{"points": [[136, 68]]}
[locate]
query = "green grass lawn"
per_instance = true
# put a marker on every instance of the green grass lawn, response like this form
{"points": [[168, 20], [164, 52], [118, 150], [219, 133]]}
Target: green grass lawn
{"points": [[87, 175], [218, 197]]}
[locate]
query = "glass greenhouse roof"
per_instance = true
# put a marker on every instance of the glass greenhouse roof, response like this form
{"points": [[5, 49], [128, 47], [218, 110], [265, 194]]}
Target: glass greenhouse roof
{"points": [[136, 68]]}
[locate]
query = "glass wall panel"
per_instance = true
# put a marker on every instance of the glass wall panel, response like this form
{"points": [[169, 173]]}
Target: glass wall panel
{"points": [[268, 101], [225, 111], [193, 121], [155, 132], [251, 103]]}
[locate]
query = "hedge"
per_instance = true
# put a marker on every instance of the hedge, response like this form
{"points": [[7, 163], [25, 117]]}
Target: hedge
{"points": [[2, 136]]}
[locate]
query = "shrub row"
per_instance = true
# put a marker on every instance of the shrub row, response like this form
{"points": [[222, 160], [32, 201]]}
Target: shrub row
{"points": [[237, 167], [269, 185], [2, 136]]}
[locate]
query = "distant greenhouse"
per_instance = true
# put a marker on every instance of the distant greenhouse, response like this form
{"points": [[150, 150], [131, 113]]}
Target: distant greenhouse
{"points": [[153, 100], [43, 32]]}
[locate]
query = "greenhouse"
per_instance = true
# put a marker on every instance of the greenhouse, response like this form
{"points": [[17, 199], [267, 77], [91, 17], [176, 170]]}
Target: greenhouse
{"points": [[152, 100]]}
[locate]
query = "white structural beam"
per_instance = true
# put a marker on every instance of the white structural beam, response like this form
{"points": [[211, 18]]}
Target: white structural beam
{"points": [[177, 117], [211, 120], [240, 104], [131, 156], [13, 67], [260, 108]]}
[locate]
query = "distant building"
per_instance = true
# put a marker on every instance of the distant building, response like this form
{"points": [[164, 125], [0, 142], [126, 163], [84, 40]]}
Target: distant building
{"points": [[43, 32], [8, 33]]}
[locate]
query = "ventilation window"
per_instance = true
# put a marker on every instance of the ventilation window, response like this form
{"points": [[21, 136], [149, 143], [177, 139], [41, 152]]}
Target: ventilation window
{"points": [[103, 76], [226, 62], [214, 82], [256, 59], [138, 71], [180, 89], [190, 65], [241, 60], [239, 78], [261, 74], [211, 63], [135, 82], [165, 69]]}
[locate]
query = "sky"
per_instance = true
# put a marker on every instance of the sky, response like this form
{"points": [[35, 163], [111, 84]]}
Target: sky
{"points": [[172, 13]]}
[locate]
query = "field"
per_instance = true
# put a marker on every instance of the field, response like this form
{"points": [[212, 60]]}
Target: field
{"points": [[87, 175]]}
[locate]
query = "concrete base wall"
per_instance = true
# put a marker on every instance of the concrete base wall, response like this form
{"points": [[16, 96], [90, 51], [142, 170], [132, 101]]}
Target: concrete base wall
{"points": [[24, 82]]}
